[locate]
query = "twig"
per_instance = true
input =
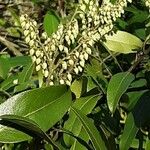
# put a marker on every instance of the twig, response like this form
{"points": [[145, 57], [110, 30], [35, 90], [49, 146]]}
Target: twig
{"points": [[11, 46]]}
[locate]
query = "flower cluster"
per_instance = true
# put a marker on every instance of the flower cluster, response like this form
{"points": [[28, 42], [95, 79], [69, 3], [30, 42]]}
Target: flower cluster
{"points": [[63, 55], [147, 3]]}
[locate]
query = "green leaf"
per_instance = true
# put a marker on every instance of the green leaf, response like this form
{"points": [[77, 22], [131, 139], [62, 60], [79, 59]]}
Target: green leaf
{"points": [[147, 144], [51, 22], [45, 106], [91, 130], [8, 82], [122, 42], [78, 87], [8, 63], [11, 135], [93, 71], [79, 142], [26, 125], [141, 110], [117, 86], [85, 104], [138, 83], [128, 134], [24, 78], [25, 75], [133, 98], [76, 145]]}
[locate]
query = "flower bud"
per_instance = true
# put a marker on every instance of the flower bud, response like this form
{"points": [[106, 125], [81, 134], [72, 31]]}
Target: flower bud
{"points": [[31, 43], [64, 65], [31, 51], [38, 67], [86, 56], [68, 82], [62, 81], [69, 76], [76, 70], [44, 65], [15, 81], [80, 68], [82, 63], [66, 50], [71, 62], [37, 53], [38, 60], [88, 50], [61, 47], [51, 83]]}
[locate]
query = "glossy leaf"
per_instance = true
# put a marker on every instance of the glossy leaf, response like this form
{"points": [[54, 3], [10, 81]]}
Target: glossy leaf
{"points": [[7, 63], [51, 22], [76, 145], [129, 133], [147, 144], [45, 106], [138, 83], [78, 87], [122, 42], [27, 126], [141, 110], [91, 130], [85, 104], [118, 84], [79, 141], [133, 98]]}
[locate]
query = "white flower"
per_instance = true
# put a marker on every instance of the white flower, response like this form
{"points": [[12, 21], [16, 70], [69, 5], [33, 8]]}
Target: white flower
{"points": [[38, 67], [22, 18], [86, 1], [77, 54], [27, 26], [62, 81], [83, 7], [23, 24], [86, 56], [64, 65], [27, 39], [67, 38], [31, 43], [44, 65], [51, 83], [71, 62], [66, 50], [33, 58], [38, 60], [61, 47], [44, 35], [32, 51], [26, 32], [46, 48], [81, 57], [37, 53], [46, 73], [34, 23], [84, 45], [88, 50], [80, 68], [33, 35], [69, 33], [68, 82], [69, 76], [82, 63], [53, 47], [15, 81], [76, 70]]}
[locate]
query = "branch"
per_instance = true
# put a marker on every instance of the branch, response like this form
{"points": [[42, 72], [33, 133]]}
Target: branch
{"points": [[11, 46]]}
